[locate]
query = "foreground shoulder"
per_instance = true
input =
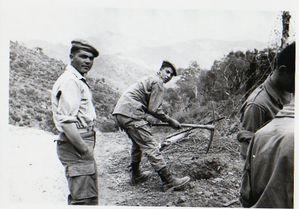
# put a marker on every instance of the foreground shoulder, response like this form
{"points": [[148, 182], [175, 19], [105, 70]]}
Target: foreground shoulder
{"points": [[155, 80], [259, 97], [67, 81]]}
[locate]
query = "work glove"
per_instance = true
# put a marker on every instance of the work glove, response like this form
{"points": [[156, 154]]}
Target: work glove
{"points": [[174, 123]]}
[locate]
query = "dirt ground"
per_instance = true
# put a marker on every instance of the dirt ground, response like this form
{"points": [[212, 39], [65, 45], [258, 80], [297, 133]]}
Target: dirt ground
{"points": [[35, 176], [215, 177]]}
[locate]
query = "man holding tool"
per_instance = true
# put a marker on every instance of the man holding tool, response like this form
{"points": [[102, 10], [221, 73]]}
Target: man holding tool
{"points": [[133, 112]]}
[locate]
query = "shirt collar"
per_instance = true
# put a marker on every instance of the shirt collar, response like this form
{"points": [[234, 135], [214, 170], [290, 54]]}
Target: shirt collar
{"points": [[159, 76], [287, 111], [281, 97], [73, 70]]}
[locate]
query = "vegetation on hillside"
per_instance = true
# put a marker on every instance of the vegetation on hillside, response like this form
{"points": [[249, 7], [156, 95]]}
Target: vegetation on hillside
{"points": [[223, 88], [32, 75]]}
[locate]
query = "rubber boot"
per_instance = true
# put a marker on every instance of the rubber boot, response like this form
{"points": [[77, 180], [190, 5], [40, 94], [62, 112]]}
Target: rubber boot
{"points": [[169, 182], [137, 176]]}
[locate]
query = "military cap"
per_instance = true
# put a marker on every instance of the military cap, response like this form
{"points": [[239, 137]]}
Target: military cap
{"points": [[166, 63], [82, 44]]}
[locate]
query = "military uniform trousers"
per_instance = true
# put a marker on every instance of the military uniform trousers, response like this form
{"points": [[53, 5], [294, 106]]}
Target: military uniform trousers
{"points": [[81, 174], [142, 141]]}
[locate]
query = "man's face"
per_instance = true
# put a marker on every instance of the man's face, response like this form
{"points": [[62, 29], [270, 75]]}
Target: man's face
{"points": [[82, 60], [166, 74]]}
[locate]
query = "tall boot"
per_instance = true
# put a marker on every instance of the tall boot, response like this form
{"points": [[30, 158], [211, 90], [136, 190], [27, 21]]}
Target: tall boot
{"points": [[137, 176], [169, 182]]}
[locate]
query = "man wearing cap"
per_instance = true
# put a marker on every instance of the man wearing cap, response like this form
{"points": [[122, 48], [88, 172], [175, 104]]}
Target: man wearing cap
{"points": [[266, 100], [74, 115], [133, 112]]}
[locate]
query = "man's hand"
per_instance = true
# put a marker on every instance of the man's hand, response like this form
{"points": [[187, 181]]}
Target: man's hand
{"points": [[174, 123], [87, 155], [76, 140], [150, 119]]}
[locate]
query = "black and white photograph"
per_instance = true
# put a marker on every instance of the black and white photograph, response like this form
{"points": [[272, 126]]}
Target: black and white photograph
{"points": [[148, 103]]}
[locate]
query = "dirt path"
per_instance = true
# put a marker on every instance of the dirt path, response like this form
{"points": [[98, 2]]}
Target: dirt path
{"points": [[107, 148], [34, 175]]}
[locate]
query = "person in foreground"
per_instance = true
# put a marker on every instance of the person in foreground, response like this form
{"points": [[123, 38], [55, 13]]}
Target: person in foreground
{"points": [[133, 112], [74, 115], [268, 177], [266, 100]]}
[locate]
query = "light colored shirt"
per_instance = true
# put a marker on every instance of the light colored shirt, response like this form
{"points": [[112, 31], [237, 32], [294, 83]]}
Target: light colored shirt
{"points": [[261, 107], [72, 100], [268, 179], [143, 98]]}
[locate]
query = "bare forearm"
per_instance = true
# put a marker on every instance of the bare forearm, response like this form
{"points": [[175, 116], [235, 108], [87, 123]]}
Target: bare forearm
{"points": [[74, 137]]}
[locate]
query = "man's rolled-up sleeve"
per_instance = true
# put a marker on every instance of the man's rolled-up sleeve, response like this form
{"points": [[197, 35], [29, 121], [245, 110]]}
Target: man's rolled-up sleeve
{"points": [[69, 98]]}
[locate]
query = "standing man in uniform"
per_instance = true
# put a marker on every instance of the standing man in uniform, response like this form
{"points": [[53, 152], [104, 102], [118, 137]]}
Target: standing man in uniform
{"points": [[268, 177], [266, 100], [133, 112], [74, 115]]}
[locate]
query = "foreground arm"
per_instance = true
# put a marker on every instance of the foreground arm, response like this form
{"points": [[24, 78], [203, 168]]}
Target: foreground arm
{"points": [[155, 106], [71, 131]]}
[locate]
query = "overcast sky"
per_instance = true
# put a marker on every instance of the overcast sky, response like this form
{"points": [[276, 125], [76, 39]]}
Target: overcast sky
{"points": [[61, 21]]}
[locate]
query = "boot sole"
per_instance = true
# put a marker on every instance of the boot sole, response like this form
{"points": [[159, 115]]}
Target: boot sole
{"points": [[177, 186], [141, 179]]}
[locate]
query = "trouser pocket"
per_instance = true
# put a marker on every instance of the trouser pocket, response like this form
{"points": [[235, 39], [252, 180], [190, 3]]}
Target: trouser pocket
{"points": [[82, 180]]}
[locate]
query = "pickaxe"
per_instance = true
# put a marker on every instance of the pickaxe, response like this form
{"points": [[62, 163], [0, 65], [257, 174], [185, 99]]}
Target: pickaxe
{"points": [[186, 125], [176, 136]]}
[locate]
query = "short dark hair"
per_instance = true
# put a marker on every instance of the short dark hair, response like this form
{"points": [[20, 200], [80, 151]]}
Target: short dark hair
{"points": [[287, 57], [169, 64], [74, 49]]}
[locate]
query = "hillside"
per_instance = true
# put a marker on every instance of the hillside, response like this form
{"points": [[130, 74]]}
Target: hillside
{"points": [[124, 60], [118, 71], [32, 75]]}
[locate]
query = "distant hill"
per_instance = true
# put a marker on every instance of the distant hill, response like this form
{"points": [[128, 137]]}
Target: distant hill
{"points": [[118, 71], [203, 51], [124, 60], [32, 75]]}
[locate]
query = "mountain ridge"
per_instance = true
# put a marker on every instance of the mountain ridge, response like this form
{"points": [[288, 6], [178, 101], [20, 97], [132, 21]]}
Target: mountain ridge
{"points": [[121, 67]]}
